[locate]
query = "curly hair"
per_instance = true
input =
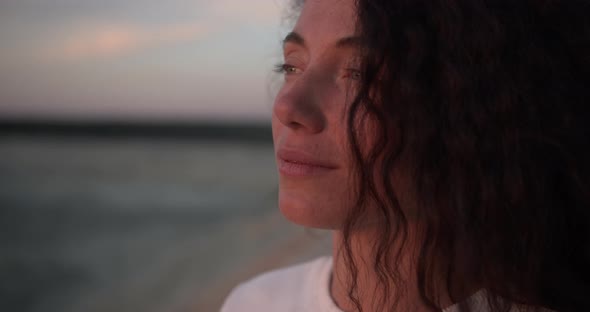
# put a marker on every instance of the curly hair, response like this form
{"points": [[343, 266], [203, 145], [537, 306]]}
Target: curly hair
{"points": [[484, 105]]}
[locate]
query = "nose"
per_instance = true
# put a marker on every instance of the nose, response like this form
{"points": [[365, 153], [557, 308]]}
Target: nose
{"points": [[298, 105]]}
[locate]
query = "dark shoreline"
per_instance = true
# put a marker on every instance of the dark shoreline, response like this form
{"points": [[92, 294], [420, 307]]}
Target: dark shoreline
{"points": [[230, 131]]}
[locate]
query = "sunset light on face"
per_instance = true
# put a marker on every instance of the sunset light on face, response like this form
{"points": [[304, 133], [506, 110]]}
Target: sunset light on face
{"points": [[135, 59]]}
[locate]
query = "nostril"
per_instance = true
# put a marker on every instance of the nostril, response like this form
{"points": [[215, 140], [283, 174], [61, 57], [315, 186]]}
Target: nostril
{"points": [[297, 108], [294, 125]]}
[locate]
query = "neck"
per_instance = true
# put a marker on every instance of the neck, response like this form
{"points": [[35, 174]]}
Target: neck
{"points": [[368, 287]]}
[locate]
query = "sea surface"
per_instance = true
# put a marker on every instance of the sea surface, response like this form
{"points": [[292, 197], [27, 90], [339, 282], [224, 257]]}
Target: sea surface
{"points": [[138, 224]]}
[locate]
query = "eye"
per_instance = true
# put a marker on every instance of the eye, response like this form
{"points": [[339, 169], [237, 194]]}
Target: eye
{"points": [[353, 74], [286, 69]]}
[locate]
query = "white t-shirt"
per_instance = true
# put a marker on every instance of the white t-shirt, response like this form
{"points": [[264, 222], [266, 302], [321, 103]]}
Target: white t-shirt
{"points": [[303, 287]]}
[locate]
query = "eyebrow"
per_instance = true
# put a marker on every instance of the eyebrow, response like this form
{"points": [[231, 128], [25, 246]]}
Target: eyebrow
{"points": [[345, 42], [295, 38]]}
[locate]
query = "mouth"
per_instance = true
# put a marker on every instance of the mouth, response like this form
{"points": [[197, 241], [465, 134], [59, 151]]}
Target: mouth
{"points": [[299, 164]]}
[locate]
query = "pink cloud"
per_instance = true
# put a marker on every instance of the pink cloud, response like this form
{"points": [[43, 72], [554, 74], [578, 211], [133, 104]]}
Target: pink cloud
{"points": [[114, 40]]}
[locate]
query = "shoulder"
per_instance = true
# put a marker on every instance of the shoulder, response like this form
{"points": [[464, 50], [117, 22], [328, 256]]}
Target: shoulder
{"points": [[286, 289]]}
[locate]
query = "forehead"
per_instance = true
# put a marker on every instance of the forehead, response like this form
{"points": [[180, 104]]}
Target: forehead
{"points": [[324, 21]]}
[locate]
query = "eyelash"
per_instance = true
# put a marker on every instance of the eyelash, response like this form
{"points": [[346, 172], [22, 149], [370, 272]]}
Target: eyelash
{"points": [[284, 68]]}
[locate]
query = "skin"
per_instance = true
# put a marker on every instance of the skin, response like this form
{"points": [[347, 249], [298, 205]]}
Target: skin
{"points": [[309, 119], [310, 110]]}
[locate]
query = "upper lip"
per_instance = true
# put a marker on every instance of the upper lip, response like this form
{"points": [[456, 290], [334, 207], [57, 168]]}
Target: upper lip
{"points": [[298, 156]]}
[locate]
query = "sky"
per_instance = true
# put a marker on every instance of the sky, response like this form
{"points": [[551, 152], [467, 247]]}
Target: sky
{"points": [[139, 59]]}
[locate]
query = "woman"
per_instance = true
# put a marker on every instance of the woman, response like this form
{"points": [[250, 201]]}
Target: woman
{"points": [[444, 143]]}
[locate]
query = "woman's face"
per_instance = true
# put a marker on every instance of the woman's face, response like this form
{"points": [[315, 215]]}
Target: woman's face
{"points": [[309, 115]]}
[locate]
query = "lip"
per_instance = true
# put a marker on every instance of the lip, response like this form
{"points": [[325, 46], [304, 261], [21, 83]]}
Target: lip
{"points": [[297, 163]]}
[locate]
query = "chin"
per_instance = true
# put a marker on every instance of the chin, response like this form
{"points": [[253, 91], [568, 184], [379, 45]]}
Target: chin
{"points": [[310, 213]]}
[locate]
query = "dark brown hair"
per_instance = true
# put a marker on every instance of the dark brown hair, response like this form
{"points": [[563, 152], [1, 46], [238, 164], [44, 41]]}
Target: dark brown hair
{"points": [[485, 106]]}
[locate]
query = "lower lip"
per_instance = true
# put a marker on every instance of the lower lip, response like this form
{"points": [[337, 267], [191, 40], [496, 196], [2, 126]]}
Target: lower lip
{"points": [[300, 170]]}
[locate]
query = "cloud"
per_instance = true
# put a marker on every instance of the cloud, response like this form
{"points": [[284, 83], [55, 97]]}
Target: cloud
{"points": [[81, 34], [262, 12], [115, 40]]}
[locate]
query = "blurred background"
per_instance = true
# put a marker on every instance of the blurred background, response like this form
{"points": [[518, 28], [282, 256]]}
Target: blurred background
{"points": [[136, 164]]}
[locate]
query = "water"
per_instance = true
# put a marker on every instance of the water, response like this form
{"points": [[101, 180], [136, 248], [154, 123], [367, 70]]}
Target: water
{"points": [[138, 224]]}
